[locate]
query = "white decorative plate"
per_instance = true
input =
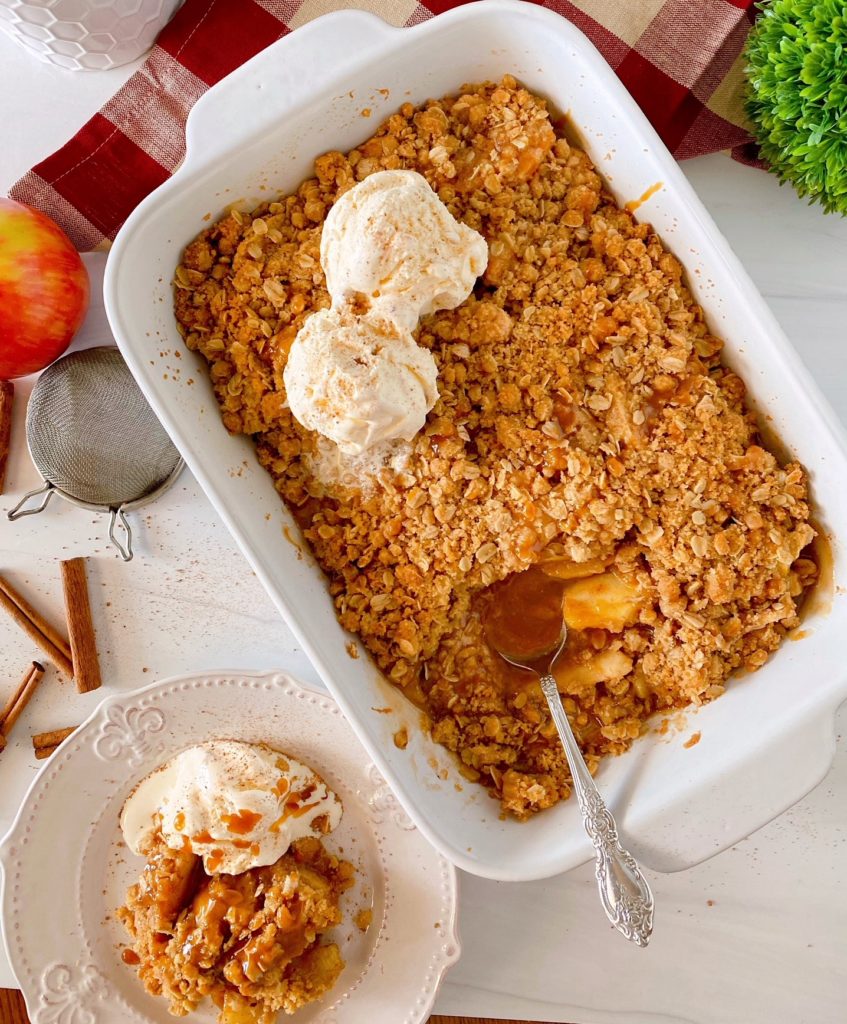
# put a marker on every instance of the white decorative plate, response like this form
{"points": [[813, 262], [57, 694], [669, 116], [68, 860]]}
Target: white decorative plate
{"points": [[66, 868]]}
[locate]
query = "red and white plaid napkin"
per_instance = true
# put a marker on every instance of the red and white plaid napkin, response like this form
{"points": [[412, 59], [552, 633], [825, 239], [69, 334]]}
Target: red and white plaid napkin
{"points": [[680, 59]]}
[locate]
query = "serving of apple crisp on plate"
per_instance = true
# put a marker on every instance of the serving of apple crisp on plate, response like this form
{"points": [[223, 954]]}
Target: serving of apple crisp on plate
{"points": [[238, 889], [561, 410], [230, 880]]}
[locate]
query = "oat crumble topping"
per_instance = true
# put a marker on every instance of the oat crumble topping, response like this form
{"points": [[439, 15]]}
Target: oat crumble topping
{"points": [[252, 943], [585, 424]]}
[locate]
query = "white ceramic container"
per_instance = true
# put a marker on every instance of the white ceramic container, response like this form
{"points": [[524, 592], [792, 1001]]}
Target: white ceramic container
{"points": [[764, 744], [86, 35]]}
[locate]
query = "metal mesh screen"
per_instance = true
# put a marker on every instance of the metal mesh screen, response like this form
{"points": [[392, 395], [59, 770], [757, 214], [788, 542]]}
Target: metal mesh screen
{"points": [[92, 434]]}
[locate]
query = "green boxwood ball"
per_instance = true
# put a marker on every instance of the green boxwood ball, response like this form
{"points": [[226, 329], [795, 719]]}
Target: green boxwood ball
{"points": [[796, 58]]}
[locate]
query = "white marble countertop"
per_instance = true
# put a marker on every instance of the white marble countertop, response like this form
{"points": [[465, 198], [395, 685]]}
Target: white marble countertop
{"points": [[755, 936]]}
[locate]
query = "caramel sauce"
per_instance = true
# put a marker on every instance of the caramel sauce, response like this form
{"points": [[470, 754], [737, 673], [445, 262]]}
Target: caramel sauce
{"points": [[260, 954], [556, 459], [282, 786], [303, 516], [818, 598], [170, 877], [209, 911], [294, 812], [565, 414], [301, 794], [680, 394], [288, 917], [214, 860], [282, 342], [242, 822], [259, 957], [292, 540], [130, 957], [179, 821], [524, 617], [633, 204], [203, 836], [214, 911]]}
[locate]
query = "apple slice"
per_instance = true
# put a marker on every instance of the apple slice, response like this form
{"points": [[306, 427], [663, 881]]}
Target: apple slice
{"points": [[578, 678], [602, 602], [565, 569]]}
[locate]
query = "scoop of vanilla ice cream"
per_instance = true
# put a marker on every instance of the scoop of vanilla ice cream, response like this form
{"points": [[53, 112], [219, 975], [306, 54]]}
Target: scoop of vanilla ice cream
{"points": [[391, 239], [237, 805], [359, 380]]}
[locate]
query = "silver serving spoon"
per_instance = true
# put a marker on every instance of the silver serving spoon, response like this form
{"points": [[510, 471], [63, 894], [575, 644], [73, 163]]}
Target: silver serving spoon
{"points": [[624, 892]]}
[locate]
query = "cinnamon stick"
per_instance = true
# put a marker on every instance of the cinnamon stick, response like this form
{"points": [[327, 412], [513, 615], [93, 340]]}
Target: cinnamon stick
{"points": [[7, 395], [21, 697], [49, 639], [46, 743], [80, 626], [12, 1007], [16, 696], [53, 737]]}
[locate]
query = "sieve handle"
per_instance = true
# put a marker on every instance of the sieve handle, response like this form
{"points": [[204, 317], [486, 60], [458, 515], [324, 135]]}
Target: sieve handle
{"points": [[124, 545], [19, 511]]}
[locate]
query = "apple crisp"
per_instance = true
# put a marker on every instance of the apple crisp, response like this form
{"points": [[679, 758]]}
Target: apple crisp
{"points": [[586, 429], [251, 942]]}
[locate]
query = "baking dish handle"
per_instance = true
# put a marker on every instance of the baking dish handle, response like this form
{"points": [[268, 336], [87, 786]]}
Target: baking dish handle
{"points": [[330, 43]]}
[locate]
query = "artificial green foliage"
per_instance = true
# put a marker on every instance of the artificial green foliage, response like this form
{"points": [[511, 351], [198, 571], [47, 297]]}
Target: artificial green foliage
{"points": [[797, 95]]}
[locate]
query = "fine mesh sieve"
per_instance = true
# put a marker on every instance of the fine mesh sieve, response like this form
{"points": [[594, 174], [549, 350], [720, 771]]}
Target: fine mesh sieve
{"points": [[95, 440]]}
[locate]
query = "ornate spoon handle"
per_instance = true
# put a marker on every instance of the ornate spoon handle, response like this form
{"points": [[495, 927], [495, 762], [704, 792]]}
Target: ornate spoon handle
{"points": [[624, 891]]}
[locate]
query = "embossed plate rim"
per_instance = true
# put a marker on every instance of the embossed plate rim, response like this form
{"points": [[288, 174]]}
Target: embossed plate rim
{"points": [[129, 734]]}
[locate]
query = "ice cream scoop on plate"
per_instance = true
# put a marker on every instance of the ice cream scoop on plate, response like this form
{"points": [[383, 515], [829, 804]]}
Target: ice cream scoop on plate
{"points": [[237, 805]]}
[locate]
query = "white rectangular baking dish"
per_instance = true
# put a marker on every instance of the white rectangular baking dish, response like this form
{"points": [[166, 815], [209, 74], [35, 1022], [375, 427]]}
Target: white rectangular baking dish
{"points": [[770, 738]]}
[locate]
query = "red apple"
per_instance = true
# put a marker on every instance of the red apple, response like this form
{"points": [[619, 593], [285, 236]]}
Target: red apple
{"points": [[43, 290]]}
